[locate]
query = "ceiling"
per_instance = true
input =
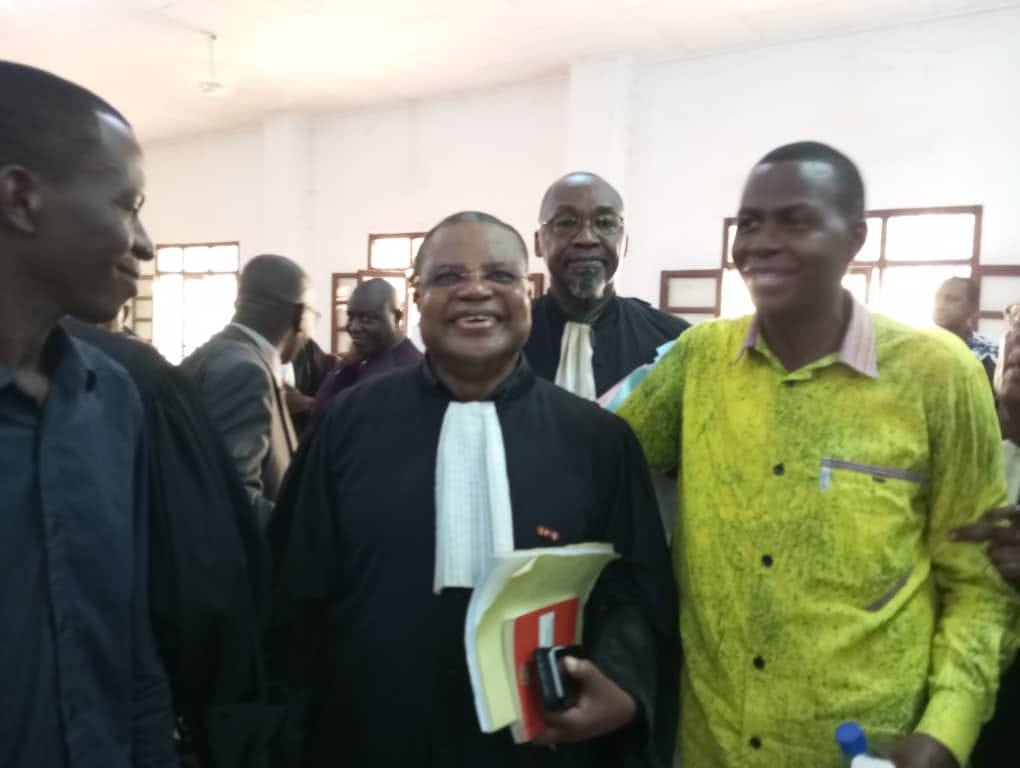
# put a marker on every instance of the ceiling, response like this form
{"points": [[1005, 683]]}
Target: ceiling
{"points": [[149, 57]]}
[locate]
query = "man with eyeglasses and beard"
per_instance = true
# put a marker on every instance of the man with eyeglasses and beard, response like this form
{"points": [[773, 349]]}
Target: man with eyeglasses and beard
{"points": [[584, 337]]}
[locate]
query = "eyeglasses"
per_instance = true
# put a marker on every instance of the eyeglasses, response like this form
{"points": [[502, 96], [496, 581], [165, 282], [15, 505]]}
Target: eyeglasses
{"points": [[570, 223], [447, 277]]}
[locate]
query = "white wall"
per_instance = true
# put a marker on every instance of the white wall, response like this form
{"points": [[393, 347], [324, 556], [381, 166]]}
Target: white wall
{"points": [[206, 190], [394, 170], [402, 170], [928, 111]]}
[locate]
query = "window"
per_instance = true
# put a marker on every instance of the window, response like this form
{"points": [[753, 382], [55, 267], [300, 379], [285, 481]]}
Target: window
{"points": [[344, 284], [694, 294], [186, 296], [907, 255], [140, 317], [390, 258]]}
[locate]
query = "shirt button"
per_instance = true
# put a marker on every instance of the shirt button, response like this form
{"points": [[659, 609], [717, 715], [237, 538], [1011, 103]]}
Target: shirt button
{"points": [[759, 662], [778, 470], [767, 561], [755, 743]]}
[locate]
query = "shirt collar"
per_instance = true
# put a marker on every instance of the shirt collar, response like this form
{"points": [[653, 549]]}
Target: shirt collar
{"points": [[64, 365], [268, 350], [857, 351]]}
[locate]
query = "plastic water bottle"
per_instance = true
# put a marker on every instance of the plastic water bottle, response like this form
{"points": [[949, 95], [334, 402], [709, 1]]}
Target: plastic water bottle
{"points": [[854, 744]]}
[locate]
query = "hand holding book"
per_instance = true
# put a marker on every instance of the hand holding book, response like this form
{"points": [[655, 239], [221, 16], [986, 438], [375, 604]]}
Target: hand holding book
{"points": [[602, 707]]}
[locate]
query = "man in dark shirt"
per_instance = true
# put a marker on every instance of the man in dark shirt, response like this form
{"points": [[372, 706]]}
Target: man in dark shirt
{"points": [[373, 321], [209, 565], [584, 337], [82, 684]]}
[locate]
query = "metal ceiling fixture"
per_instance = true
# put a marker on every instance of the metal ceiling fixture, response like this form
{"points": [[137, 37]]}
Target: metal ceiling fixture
{"points": [[211, 85]]}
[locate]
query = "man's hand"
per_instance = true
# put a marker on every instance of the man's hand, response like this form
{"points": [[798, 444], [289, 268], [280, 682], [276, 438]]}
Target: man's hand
{"points": [[918, 750], [1009, 389], [602, 707], [297, 402], [1000, 529]]}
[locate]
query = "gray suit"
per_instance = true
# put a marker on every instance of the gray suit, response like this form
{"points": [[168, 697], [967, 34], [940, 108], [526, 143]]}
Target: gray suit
{"points": [[236, 382]]}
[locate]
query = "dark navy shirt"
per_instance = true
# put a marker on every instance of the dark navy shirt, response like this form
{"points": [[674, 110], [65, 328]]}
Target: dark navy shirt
{"points": [[80, 683]]}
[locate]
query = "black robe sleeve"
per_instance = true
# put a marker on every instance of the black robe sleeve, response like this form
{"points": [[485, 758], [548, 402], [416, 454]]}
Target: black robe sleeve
{"points": [[624, 336], [307, 575], [631, 627], [209, 567]]}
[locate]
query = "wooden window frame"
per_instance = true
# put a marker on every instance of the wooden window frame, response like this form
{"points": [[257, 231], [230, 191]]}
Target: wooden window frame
{"points": [[156, 272], [862, 267], [996, 270], [411, 237], [673, 274], [334, 308], [889, 213]]}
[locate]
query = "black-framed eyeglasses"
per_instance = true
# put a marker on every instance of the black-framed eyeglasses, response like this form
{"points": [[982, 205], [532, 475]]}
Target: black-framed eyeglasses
{"points": [[569, 223]]}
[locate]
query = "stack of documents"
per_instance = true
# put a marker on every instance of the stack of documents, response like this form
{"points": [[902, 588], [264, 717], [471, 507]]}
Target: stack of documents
{"points": [[535, 591]]}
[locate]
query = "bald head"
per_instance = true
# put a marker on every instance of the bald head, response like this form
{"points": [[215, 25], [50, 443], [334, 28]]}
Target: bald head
{"points": [[274, 298], [581, 239], [374, 294], [568, 187], [272, 278], [373, 317]]}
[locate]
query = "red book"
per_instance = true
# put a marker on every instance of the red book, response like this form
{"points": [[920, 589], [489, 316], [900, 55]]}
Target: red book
{"points": [[556, 624]]}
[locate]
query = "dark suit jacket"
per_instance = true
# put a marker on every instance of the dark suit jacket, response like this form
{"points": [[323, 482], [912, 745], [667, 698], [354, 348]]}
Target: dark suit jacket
{"points": [[353, 371], [247, 406]]}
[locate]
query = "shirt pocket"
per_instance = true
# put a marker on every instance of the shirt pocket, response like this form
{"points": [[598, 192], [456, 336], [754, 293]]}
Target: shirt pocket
{"points": [[876, 472], [877, 532]]}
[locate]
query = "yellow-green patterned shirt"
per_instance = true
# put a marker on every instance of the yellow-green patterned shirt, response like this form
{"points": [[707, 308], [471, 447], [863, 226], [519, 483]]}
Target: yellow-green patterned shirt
{"points": [[817, 580]]}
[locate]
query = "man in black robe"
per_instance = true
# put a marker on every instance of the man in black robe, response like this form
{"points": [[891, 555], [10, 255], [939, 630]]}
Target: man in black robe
{"points": [[585, 337], [368, 633], [209, 568]]}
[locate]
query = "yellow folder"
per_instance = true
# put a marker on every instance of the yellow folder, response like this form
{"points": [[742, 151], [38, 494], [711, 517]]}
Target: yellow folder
{"points": [[518, 583]]}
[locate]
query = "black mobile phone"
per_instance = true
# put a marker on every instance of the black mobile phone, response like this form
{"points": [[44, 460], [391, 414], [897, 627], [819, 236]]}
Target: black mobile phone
{"points": [[557, 690]]}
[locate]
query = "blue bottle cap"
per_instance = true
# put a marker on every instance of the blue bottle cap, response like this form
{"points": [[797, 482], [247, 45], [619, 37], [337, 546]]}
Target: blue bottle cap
{"points": [[852, 740]]}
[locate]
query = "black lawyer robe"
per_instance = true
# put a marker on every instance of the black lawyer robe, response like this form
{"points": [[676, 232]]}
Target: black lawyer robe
{"points": [[625, 335], [997, 746], [209, 566], [374, 660]]}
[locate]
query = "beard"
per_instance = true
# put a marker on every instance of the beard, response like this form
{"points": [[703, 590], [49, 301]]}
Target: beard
{"points": [[588, 282]]}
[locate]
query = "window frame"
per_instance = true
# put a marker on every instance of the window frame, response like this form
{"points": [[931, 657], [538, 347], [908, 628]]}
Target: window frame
{"points": [[871, 269], [410, 236], [149, 277]]}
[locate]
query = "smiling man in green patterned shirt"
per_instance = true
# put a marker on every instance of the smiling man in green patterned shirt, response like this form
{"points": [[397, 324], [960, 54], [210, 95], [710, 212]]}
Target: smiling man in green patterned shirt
{"points": [[827, 454]]}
